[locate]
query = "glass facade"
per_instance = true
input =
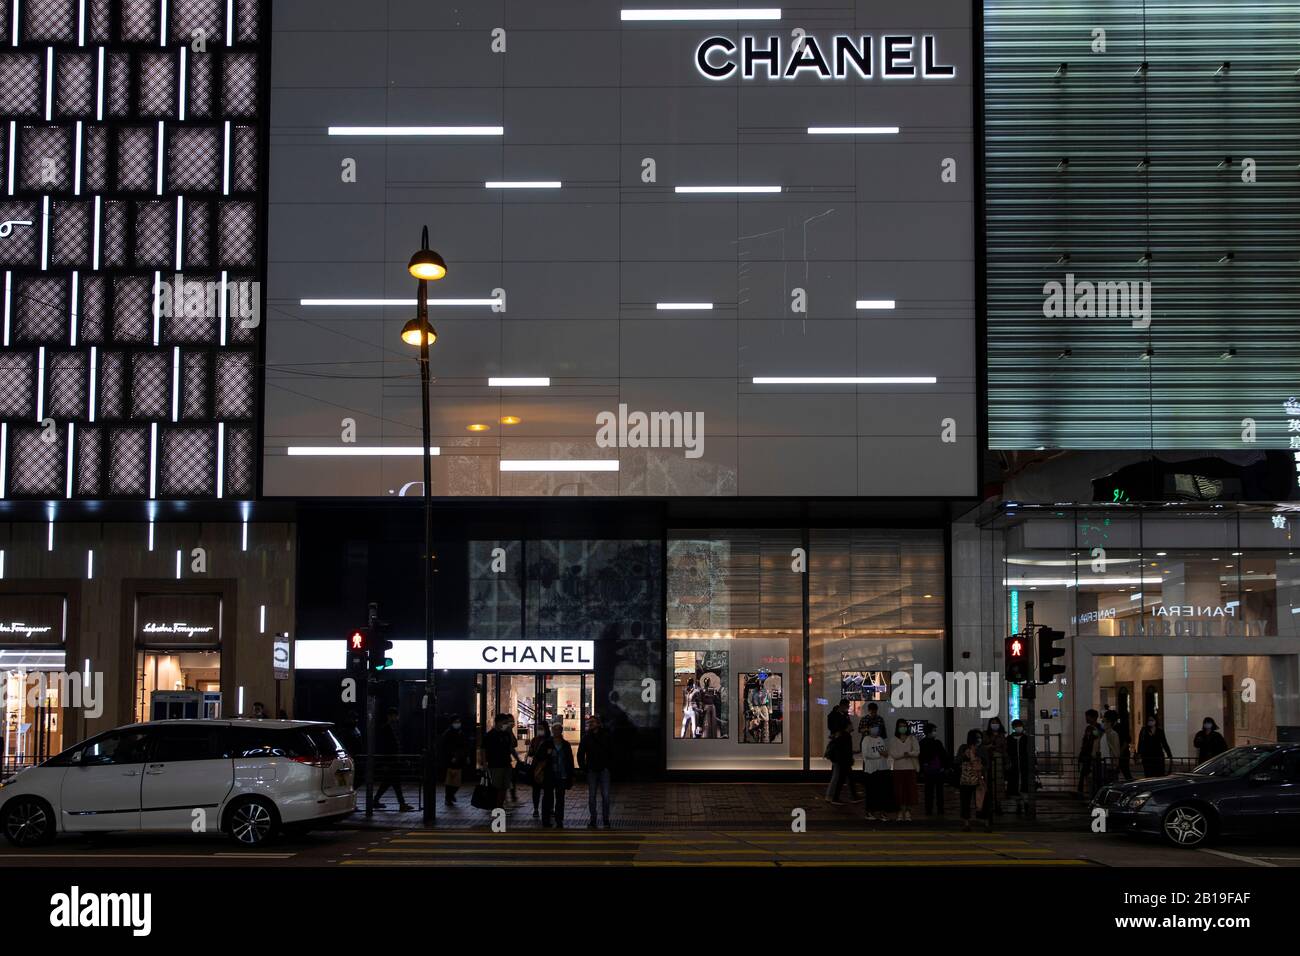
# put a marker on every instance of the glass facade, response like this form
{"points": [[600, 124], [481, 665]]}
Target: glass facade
{"points": [[1174, 615], [756, 663]]}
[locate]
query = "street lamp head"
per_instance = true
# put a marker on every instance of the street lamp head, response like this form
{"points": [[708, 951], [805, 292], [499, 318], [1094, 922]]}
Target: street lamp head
{"points": [[427, 264], [418, 332]]}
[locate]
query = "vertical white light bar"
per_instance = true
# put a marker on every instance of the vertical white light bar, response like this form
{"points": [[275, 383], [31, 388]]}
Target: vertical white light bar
{"points": [[49, 538], [153, 460], [178, 564], [157, 287], [81, 23], [94, 372], [45, 233], [85, 673], [180, 231], [90, 565], [9, 285], [94, 238], [4, 461], [158, 174], [176, 383], [2, 564], [40, 383], [151, 534], [49, 83], [13, 145], [221, 459], [244, 543], [76, 287], [99, 89], [71, 443], [230, 23], [181, 105], [261, 619], [76, 162], [15, 25], [221, 309], [225, 163], [162, 19], [241, 699]]}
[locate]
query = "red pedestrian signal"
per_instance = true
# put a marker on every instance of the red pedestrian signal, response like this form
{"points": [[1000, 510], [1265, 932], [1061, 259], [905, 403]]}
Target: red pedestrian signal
{"points": [[358, 640], [1016, 661], [358, 645]]}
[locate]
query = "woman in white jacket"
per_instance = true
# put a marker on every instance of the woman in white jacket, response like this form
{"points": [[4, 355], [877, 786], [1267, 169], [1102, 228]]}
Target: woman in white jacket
{"points": [[904, 758], [875, 764]]}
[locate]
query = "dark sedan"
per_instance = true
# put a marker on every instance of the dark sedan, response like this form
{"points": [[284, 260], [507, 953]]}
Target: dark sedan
{"points": [[1247, 791]]}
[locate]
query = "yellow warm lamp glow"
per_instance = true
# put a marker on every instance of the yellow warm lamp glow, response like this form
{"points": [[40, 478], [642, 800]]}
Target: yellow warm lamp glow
{"points": [[427, 264], [416, 330], [477, 427], [510, 420]]}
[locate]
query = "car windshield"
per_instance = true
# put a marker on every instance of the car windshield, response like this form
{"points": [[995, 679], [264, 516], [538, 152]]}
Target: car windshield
{"points": [[1234, 762]]}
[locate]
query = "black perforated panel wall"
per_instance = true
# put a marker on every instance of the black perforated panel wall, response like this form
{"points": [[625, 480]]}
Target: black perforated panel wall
{"points": [[130, 246]]}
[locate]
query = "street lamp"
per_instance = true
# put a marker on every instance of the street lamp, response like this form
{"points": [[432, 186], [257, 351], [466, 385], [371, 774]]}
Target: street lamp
{"points": [[426, 266]]}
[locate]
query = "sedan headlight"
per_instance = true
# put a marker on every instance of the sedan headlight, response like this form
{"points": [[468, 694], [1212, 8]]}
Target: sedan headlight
{"points": [[1139, 801]]}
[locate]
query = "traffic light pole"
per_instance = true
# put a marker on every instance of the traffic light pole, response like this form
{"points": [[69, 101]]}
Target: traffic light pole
{"points": [[1029, 694], [370, 718]]}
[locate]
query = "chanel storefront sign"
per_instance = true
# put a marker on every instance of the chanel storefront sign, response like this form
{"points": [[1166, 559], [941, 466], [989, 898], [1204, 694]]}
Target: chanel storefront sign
{"points": [[514, 655]]}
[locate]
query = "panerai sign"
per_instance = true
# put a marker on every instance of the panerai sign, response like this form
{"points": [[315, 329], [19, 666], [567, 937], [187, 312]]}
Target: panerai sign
{"points": [[514, 655], [891, 57]]}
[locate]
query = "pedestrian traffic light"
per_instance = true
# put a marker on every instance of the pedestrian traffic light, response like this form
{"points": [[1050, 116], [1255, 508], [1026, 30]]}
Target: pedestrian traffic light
{"points": [[1017, 660], [1048, 652], [358, 644], [380, 645]]}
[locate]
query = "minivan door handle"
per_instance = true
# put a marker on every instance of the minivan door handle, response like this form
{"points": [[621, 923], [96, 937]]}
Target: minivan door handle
{"points": [[130, 773]]}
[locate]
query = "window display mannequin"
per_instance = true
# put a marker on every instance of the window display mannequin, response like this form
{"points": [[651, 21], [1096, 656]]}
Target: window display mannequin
{"points": [[690, 704]]}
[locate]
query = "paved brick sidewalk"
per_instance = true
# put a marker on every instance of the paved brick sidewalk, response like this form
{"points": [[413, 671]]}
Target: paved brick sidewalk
{"points": [[709, 805]]}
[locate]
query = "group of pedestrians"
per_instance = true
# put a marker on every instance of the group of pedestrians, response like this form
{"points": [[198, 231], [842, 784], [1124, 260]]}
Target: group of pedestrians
{"points": [[991, 765], [549, 765], [1106, 748]]}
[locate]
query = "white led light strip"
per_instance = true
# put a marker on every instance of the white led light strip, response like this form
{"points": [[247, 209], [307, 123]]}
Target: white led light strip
{"points": [[511, 382], [358, 451], [542, 464], [852, 130], [523, 184], [684, 306], [417, 130], [875, 303], [662, 14], [727, 189], [393, 302], [846, 380]]}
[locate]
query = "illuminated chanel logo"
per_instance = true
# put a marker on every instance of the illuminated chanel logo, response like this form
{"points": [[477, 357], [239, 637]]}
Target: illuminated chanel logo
{"points": [[718, 58]]}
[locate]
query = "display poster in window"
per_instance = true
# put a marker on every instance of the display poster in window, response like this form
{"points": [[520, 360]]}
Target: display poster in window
{"points": [[862, 687], [700, 694], [762, 701]]}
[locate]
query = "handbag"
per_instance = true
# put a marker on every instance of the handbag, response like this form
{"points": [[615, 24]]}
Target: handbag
{"points": [[485, 795], [452, 778]]}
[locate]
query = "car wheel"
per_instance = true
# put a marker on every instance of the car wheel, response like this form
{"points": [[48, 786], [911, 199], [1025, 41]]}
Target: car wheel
{"points": [[1186, 826], [28, 821], [252, 822]]}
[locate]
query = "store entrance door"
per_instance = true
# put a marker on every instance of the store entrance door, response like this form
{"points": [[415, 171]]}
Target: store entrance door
{"points": [[536, 698]]}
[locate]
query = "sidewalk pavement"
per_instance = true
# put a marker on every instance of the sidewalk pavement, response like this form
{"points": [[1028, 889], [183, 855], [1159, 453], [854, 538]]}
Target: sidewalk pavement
{"points": [[684, 806]]}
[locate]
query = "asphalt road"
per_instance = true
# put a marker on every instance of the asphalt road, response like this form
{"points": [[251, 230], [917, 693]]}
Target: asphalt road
{"points": [[902, 846]]}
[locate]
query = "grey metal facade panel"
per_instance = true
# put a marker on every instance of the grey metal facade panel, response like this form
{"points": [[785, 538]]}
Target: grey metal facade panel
{"points": [[130, 196], [1096, 159], [585, 99]]}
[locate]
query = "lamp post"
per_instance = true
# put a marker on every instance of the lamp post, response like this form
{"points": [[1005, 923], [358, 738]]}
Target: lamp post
{"points": [[426, 266]]}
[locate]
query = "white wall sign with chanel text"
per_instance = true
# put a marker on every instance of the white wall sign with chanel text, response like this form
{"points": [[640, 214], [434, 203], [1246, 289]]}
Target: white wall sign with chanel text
{"points": [[514, 655]]}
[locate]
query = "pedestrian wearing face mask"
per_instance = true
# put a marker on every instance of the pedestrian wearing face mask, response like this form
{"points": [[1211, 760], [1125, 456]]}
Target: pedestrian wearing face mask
{"points": [[995, 745], [971, 785], [905, 760], [1209, 742], [879, 781], [1020, 771], [1105, 753], [453, 754], [1152, 749]]}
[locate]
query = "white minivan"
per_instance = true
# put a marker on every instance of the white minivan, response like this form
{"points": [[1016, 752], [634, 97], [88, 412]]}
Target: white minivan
{"points": [[250, 779]]}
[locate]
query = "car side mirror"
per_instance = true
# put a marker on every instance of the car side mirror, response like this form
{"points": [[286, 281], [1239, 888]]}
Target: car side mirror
{"points": [[75, 760], [1264, 778]]}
